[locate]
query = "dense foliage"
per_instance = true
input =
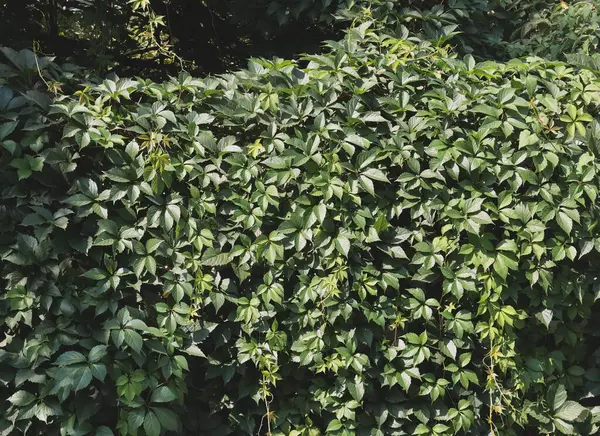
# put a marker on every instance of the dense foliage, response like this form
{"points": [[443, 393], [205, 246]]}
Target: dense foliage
{"points": [[553, 31], [156, 38], [388, 241], [386, 238]]}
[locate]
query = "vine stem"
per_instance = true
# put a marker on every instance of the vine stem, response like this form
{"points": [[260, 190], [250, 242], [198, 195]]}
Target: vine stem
{"points": [[491, 369], [267, 412], [35, 56]]}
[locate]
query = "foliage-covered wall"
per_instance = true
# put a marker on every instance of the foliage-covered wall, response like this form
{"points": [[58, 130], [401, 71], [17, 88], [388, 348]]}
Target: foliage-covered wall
{"points": [[382, 239]]}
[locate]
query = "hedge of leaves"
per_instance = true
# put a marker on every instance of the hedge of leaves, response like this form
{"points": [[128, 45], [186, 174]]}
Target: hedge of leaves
{"points": [[554, 31], [389, 241]]}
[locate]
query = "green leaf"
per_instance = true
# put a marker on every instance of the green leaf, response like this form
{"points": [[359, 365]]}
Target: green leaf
{"points": [[97, 353], [277, 162], [133, 339], [78, 200], [172, 216], [449, 348], [487, 110], [545, 316], [21, 398], [96, 274], [404, 380], [503, 263], [135, 418], [421, 429], [557, 395], [320, 212], [23, 169], [564, 427], [151, 424], [163, 394], [137, 324], [6, 129], [104, 431], [531, 84], [375, 174], [99, 371], [367, 184], [70, 358], [152, 244], [36, 164], [357, 389], [570, 411], [373, 117], [139, 266], [343, 245], [534, 365], [10, 146], [167, 418], [194, 350], [82, 378], [334, 425], [565, 222], [43, 411], [212, 257]]}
